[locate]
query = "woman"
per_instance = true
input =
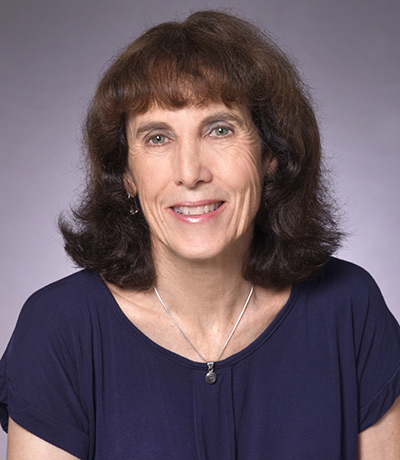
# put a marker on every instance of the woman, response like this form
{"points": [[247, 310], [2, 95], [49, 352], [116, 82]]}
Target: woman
{"points": [[210, 321]]}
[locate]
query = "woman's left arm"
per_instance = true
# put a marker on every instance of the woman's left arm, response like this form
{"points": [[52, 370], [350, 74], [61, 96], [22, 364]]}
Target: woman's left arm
{"points": [[382, 440]]}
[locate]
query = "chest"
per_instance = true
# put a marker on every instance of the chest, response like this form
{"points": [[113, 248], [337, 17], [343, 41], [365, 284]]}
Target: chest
{"points": [[278, 397]]}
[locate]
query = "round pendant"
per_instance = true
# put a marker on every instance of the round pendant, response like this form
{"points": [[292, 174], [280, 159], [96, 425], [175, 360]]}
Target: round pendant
{"points": [[211, 377]]}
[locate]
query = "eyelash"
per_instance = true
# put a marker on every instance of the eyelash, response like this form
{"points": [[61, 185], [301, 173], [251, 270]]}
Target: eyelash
{"points": [[213, 132], [150, 139]]}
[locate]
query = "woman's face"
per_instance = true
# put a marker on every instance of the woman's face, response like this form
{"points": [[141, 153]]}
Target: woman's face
{"points": [[198, 173]]}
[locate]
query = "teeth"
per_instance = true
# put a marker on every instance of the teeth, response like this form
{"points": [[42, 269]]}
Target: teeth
{"points": [[197, 210]]}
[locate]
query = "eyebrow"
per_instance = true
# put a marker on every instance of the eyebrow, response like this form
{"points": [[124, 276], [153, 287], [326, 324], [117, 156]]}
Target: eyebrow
{"points": [[213, 118], [152, 125], [223, 116]]}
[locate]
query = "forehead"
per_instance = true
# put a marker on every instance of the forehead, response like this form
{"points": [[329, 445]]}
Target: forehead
{"points": [[192, 114]]}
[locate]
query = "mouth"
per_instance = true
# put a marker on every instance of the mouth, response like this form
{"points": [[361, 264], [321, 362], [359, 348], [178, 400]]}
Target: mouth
{"points": [[197, 210]]}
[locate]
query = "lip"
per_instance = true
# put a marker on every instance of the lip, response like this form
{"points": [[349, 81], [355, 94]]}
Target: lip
{"points": [[195, 203], [200, 217]]}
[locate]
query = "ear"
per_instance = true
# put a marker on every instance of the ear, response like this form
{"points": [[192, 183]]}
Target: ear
{"points": [[270, 166], [129, 185]]}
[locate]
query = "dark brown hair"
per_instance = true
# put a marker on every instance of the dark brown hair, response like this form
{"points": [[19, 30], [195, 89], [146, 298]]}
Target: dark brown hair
{"points": [[209, 56]]}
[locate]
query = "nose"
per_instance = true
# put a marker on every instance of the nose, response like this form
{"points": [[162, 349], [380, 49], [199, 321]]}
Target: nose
{"points": [[191, 165]]}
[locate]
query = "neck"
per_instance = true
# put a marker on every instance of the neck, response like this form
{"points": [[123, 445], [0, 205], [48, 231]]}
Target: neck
{"points": [[203, 293]]}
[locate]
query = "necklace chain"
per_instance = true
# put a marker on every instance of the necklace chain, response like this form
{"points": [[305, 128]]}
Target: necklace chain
{"points": [[210, 377]]}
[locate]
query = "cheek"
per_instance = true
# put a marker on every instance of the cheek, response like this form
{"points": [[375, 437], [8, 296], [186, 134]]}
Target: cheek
{"points": [[245, 172], [152, 185], [146, 174], [251, 182], [148, 193]]}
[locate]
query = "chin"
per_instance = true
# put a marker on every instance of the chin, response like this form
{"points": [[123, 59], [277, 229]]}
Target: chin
{"points": [[198, 255], [202, 248]]}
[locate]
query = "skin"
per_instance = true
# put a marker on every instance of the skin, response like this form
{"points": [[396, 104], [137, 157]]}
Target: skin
{"points": [[382, 440], [201, 155], [196, 155], [23, 445]]}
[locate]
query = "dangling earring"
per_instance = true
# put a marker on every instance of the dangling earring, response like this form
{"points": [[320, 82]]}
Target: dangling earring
{"points": [[134, 205]]}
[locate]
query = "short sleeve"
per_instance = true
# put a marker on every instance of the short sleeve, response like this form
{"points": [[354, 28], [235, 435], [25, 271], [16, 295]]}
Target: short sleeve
{"points": [[40, 385], [377, 342]]}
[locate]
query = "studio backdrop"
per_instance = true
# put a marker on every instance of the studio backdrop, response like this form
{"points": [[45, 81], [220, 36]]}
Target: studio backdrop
{"points": [[51, 53]]}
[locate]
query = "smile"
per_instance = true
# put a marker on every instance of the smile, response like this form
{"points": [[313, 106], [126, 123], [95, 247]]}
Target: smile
{"points": [[197, 210]]}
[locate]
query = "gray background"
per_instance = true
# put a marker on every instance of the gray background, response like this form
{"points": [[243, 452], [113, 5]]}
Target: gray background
{"points": [[51, 53]]}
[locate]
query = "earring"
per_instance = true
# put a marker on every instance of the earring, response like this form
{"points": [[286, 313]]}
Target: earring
{"points": [[134, 205]]}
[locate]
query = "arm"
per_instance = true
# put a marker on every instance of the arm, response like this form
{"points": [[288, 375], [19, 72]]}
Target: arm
{"points": [[382, 440], [23, 445]]}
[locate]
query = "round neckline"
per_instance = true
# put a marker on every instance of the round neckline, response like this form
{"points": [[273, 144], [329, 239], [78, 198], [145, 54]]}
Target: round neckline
{"points": [[171, 355]]}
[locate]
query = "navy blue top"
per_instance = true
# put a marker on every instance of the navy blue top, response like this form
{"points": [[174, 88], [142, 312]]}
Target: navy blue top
{"points": [[80, 375]]}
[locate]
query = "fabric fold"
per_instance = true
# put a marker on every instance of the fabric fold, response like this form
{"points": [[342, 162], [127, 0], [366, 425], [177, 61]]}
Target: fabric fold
{"points": [[41, 424], [374, 410]]}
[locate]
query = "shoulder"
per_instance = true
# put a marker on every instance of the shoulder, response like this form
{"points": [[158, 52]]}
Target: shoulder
{"points": [[346, 273], [348, 298], [55, 324], [47, 369], [70, 287], [347, 295], [67, 301], [342, 279]]}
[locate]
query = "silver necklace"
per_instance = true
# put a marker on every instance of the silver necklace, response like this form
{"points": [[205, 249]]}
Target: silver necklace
{"points": [[211, 376]]}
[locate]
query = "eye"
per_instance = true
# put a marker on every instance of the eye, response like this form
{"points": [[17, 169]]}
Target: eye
{"points": [[157, 139], [220, 131]]}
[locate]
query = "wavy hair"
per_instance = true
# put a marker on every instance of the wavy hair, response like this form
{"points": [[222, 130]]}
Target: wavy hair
{"points": [[210, 56]]}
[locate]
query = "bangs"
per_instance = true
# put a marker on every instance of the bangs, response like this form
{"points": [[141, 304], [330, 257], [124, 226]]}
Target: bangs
{"points": [[176, 69]]}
